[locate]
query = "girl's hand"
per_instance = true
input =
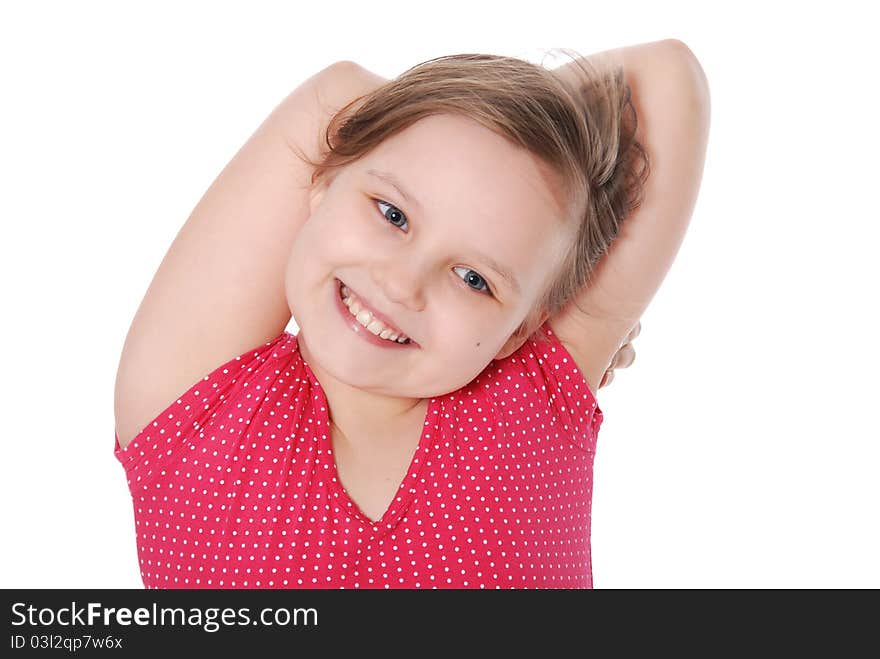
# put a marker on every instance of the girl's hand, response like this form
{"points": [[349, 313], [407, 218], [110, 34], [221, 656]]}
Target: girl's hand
{"points": [[623, 357]]}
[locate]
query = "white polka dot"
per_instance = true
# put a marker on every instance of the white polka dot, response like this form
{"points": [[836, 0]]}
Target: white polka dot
{"points": [[234, 484]]}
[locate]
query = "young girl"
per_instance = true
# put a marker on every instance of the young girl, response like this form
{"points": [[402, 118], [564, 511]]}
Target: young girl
{"points": [[442, 242]]}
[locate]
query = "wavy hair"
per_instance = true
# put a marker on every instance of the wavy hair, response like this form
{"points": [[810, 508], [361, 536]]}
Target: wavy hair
{"points": [[585, 134]]}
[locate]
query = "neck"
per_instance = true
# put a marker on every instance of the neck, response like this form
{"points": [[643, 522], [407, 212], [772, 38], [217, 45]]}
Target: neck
{"points": [[358, 413]]}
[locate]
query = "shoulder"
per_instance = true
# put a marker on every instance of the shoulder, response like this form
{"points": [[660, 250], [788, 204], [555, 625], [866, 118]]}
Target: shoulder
{"points": [[541, 376], [245, 391], [591, 340], [251, 371]]}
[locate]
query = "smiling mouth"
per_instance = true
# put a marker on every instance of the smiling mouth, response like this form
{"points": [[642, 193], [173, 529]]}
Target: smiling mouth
{"points": [[367, 320]]}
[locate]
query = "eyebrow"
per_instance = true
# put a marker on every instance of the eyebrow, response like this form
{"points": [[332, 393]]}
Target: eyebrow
{"points": [[391, 180], [503, 272]]}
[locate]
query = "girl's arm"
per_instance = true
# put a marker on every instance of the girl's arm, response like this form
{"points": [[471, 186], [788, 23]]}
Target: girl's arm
{"points": [[219, 290], [670, 95]]}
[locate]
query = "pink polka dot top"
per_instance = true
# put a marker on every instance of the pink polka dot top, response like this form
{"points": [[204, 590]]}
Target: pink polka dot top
{"points": [[234, 485]]}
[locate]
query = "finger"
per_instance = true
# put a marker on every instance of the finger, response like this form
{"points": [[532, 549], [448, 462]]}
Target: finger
{"points": [[634, 332], [624, 357], [606, 380]]}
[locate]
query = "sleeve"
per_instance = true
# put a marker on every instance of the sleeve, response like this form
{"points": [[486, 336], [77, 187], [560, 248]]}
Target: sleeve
{"points": [[179, 426], [566, 391]]}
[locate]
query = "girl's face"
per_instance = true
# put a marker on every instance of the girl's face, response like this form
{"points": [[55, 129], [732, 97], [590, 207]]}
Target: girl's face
{"points": [[428, 256]]}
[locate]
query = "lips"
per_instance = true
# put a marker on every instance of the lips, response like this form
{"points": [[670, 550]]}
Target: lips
{"points": [[366, 305]]}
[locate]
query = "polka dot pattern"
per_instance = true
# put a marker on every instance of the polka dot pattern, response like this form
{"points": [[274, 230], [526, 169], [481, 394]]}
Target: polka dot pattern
{"points": [[234, 485]]}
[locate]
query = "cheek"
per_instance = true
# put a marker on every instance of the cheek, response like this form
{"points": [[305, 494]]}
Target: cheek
{"points": [[346, 231], [467, 345], [317, 241], [307, 257]]}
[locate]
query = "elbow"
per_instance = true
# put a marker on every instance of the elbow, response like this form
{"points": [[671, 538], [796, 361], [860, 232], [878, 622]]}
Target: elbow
{"points": [[694, 83], [694, 68]]}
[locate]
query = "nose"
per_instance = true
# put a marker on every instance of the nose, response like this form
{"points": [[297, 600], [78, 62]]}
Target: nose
{"points": [[403, 282]]}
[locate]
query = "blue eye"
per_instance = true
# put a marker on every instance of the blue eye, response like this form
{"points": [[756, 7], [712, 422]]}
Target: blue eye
{"points": [[396, 218], [475, 281], [393, 215]]}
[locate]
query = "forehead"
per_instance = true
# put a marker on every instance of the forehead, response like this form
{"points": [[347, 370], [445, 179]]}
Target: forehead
{"points": [[469, 157], [473, 182]]}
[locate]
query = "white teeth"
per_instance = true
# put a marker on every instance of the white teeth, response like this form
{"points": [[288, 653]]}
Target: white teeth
{"points": [[366, 319]]}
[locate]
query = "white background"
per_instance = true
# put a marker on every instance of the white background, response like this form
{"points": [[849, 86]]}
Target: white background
{"points": [[740, 450]]}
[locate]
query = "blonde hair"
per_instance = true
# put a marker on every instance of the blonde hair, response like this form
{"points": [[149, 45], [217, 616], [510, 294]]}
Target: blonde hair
{"points": [[586, 135]]}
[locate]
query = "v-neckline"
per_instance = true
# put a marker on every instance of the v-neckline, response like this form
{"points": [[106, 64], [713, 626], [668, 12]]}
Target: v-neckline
{"points": [[405, 488]]}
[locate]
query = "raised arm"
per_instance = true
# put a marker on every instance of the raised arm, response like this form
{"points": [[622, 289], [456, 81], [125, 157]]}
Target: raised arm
{"points": [[219, 290], [670, 94]]}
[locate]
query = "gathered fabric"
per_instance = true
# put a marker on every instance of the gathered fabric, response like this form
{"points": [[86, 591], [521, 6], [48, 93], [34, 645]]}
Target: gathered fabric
{"points": [[234, 485]]}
